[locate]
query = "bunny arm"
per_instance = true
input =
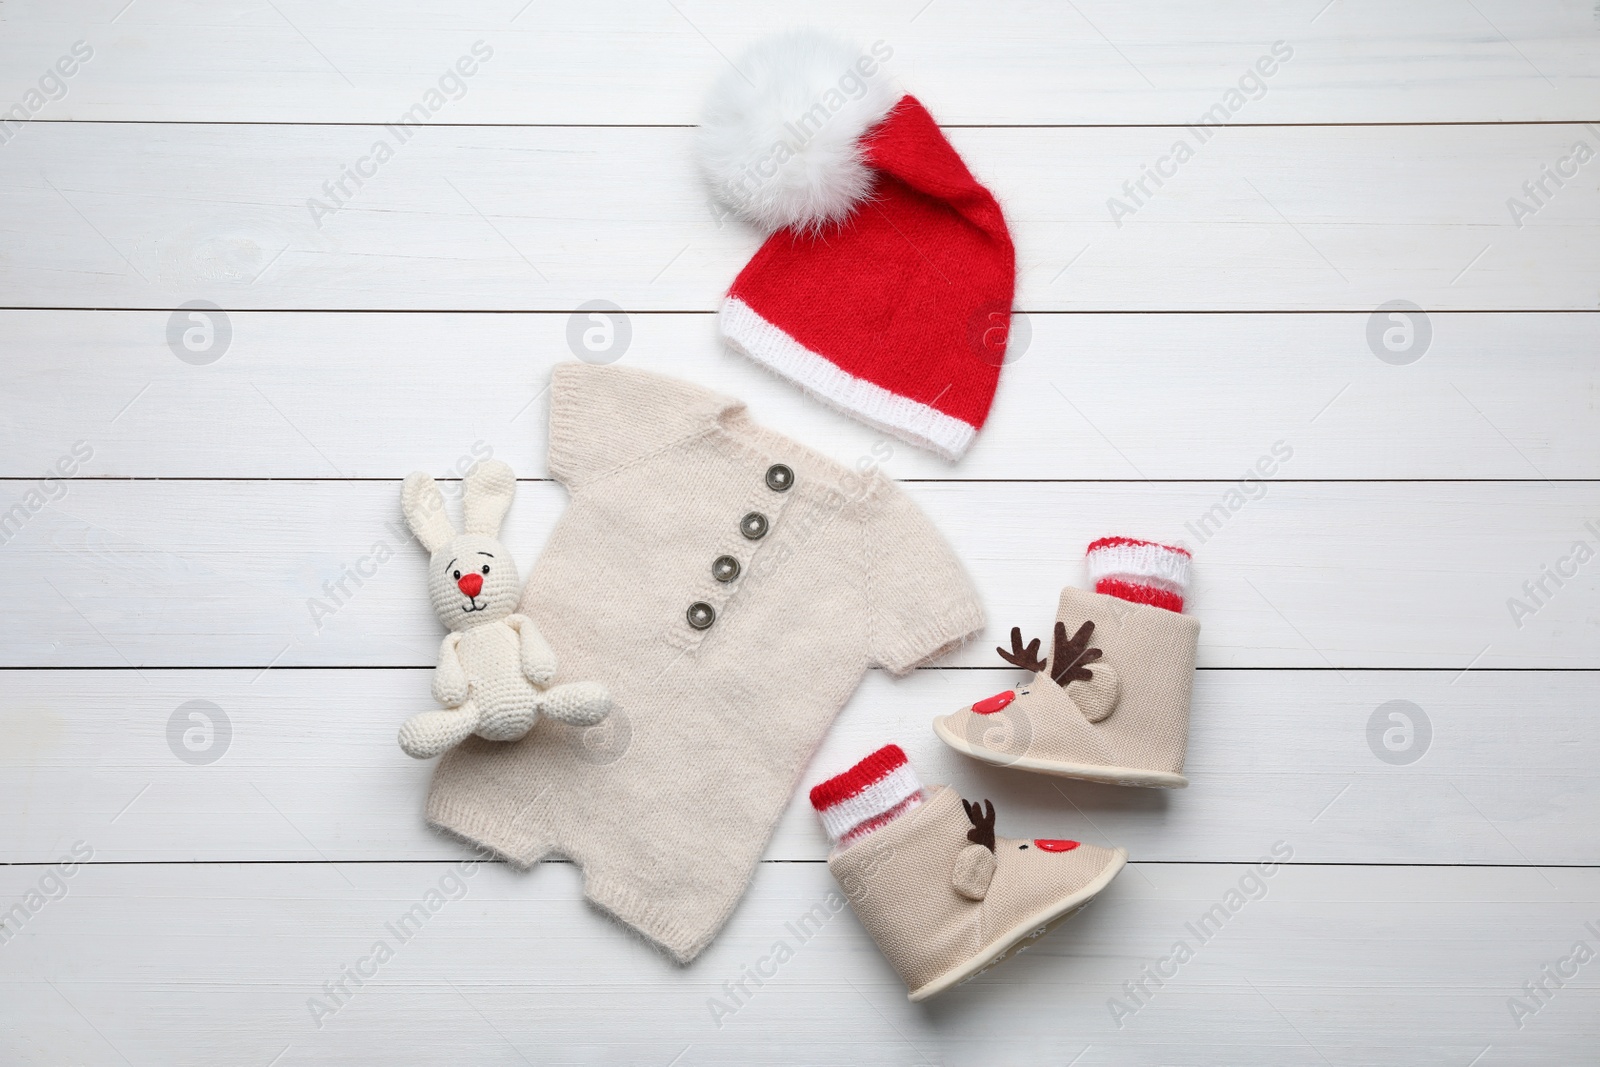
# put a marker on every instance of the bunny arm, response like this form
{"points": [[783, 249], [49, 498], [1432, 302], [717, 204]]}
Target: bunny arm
{"points": [[449, 678], [538, 659]]}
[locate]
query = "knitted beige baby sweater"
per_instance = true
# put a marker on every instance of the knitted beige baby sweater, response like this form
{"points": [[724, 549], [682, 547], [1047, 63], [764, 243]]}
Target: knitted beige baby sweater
{"points": [[729, 587]]}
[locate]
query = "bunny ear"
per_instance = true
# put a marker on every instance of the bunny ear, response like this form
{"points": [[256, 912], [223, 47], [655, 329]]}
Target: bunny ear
{"points": [[424, 509], [489, 487]]}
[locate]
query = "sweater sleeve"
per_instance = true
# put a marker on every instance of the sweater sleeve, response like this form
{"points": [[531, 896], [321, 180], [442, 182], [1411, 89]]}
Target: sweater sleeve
{"points": [[603, 419], [921, 602]]}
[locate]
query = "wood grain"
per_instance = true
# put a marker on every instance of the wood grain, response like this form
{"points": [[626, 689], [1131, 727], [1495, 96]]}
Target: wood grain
{"points": [[618, 63], [1082, 401], [1302, 218], [203, 964], [1327, 576], [304, 767]]}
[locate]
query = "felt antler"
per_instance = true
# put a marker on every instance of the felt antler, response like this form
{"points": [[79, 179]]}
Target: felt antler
{"points": [[982, 816], [1026, 658], [1069, 660]]}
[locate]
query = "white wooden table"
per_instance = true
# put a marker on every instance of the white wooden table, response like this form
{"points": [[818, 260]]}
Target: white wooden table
{"points": [[218, 884]]}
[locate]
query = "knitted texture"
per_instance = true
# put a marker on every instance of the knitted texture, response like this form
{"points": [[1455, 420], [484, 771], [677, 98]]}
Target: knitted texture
{"points": [[940, 907], [1142, 572], [494, 666], [879, 788], [668, 805], [899, 315]]}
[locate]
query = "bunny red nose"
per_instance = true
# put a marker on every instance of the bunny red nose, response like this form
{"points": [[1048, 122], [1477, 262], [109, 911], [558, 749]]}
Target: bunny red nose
{"points": [[471, 584]]}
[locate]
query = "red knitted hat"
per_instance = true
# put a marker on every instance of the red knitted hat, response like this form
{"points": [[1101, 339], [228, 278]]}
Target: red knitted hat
{"points": [[886, 289]]}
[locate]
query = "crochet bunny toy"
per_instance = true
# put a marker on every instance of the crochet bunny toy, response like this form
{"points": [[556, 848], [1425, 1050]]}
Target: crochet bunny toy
{"points": [[495, 668]]}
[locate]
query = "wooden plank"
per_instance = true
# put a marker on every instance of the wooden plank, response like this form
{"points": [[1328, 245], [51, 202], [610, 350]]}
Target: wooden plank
{"points": [[562, 175], [1319, 218], [303, 766], [205, 964], [1079, 402], [1328, 575], [614, 62], [166, 573]]}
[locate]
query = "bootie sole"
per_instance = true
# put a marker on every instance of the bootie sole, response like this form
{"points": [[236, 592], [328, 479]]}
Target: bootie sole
{"points": [[1087, 771], [1021, 936]]}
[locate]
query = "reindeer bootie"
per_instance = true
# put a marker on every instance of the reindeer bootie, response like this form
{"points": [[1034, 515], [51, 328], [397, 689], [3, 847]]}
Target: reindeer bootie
{"points": [[943, 897], [1112, 702]]}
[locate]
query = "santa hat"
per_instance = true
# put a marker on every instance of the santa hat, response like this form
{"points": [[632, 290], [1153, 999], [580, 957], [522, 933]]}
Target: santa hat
{"points": [[869, 795], [1141, 571], [886, 289]]}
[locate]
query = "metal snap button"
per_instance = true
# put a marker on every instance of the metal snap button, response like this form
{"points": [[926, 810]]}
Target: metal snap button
{"points": [[724, 568], [701, 615], [754, 526], [779, 478]]}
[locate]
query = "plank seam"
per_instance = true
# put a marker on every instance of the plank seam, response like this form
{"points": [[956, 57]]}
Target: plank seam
{"points": [[807, 862], [293, 479], [712, 312], [430, 666], [289, 123]]}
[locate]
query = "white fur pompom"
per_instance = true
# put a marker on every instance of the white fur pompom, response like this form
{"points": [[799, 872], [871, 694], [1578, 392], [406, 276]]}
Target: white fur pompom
{"points": [[780, 140]]}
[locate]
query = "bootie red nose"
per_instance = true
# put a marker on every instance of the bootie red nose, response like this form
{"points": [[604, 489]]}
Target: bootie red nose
{"points": [[471, 584], [1046, 844], [990, 705]]}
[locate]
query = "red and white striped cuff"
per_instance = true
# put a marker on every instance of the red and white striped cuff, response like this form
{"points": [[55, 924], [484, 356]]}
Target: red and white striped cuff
{"points": [[868, 795], [1143, 572], [921, 424]]}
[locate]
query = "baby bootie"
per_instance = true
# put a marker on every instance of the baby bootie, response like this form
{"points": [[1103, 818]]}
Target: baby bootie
{"points": [[1111, 704], [943, 897]]}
